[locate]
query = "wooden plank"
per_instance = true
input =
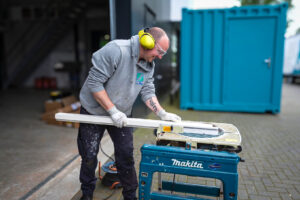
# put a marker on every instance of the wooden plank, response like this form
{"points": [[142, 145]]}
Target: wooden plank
{"points": [[132, 122]]}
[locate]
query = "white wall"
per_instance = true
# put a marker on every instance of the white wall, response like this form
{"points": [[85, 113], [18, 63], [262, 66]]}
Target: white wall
{"points": [[177, 5]]}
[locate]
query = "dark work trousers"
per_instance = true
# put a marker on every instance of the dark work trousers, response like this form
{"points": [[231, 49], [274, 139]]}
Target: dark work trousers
{"points": [[88, 140]]}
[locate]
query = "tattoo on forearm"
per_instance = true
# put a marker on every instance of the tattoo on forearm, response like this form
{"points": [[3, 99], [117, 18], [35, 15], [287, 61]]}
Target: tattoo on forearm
{"points": [[153, 105]]}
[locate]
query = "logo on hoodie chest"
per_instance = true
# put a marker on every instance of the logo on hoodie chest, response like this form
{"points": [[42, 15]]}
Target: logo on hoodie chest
{"points": [[139, 79]]}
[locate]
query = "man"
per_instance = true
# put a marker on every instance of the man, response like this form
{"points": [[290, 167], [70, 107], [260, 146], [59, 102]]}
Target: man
{"points": [[121, 70]]}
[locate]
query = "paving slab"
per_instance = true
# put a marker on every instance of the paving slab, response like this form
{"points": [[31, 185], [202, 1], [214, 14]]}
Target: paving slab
{"points": [[31, 152]]}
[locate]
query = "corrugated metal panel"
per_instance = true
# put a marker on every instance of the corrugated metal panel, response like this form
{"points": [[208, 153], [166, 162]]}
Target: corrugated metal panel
{"points": [[225, 56]]}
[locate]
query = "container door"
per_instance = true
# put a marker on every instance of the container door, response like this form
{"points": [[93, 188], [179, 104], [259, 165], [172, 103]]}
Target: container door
{"points": [[249, 51]]}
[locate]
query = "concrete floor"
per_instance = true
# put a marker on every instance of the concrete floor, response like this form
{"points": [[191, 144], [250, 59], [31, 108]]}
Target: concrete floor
{"points": [[33, 154]]}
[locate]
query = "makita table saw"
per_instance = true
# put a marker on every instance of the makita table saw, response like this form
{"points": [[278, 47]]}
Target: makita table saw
{"points": [[197, 149]]}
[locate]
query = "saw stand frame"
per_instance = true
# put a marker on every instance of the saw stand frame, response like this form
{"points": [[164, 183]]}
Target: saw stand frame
{"points": [[185, 161]]}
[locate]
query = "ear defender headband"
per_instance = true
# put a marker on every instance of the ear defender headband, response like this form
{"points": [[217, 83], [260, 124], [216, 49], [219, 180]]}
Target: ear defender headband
{"points": [[146, 39]]}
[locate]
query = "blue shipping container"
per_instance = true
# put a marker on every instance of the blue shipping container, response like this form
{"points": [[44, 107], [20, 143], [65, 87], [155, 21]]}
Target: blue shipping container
{"points": [[231, 59]]}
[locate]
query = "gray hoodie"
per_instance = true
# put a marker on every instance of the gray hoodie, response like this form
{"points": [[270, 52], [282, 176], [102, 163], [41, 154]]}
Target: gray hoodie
{"points": [[117, 70]]}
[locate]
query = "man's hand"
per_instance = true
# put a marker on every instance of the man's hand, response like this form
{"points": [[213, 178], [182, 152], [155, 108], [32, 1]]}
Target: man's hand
{"points": [[163, 115], [119, 118]]}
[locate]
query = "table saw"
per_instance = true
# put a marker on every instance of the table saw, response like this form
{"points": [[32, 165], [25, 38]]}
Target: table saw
{"points": [[199, 149]]}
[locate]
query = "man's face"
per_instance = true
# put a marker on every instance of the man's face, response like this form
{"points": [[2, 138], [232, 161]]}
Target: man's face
{"points": [[160, 49]]}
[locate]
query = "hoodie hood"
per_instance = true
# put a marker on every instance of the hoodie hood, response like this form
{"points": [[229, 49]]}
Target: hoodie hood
{"points": [[135, 52]]}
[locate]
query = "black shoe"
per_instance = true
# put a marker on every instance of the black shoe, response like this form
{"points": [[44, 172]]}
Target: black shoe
{"points": [[86, 197]]}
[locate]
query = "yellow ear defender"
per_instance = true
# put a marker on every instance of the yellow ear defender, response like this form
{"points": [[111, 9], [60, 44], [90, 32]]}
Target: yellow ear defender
{"points": [[146, 39]]}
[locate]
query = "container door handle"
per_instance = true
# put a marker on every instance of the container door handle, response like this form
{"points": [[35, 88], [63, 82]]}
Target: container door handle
{"points": [[268, 61]]}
